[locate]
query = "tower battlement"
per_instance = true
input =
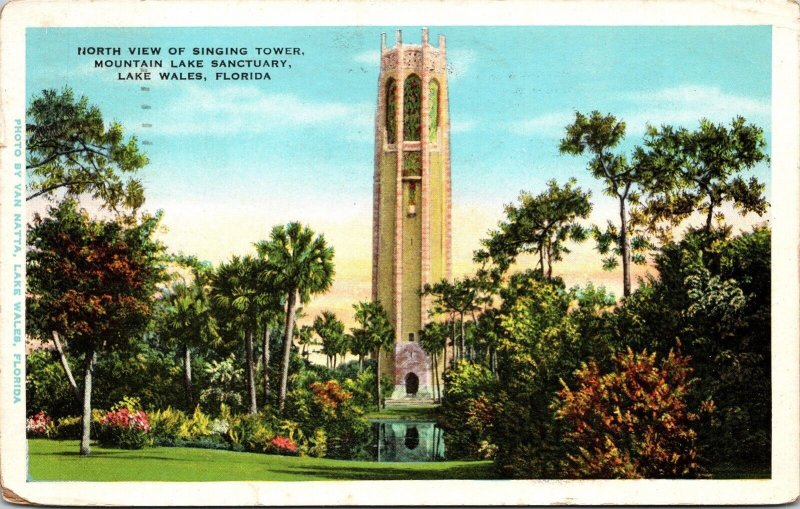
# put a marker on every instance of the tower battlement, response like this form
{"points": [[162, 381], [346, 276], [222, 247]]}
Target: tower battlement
{"points": [[412, 204]]}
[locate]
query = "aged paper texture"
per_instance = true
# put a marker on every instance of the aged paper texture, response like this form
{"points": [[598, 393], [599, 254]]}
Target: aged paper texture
{"points": [[407, 253]]}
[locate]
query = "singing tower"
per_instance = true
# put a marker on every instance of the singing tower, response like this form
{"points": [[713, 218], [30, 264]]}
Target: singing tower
{"points": [[411, 239]]}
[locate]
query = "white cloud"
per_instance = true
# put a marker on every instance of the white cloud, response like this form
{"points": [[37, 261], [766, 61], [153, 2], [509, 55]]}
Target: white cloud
{"points": [[683, 105], [247, 109], [368, 57], [462, 125], [542, 124], [459, 63]]}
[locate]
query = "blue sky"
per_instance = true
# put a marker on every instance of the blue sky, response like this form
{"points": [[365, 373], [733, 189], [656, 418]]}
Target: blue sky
{"points": [[231, 158]]}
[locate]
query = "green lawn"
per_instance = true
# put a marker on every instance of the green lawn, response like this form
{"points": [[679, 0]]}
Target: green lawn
{"points": [[409, 412], [58, 460]]}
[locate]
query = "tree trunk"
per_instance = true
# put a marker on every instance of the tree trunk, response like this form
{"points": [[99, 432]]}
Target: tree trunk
{"points": [[64, 364], [549, 260], [287, 346], [251, 375], [541, 258], [265, 362], [378, 378], [360, 363], [463, 337], [709, 216], [187, 377], [86, 422], [625, 248], [455, 343]]}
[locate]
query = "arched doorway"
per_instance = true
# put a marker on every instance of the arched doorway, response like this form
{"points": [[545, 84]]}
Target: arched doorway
{"points": [[412, 384]]}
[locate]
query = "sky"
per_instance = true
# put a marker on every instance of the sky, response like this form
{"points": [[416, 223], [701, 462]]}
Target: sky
{"points": [[230, 159]]}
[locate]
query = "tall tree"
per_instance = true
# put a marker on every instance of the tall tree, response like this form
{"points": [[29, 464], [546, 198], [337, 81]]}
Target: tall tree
{"points": [[376, 329], [303, 266], [188, 320], [94, 280], [704, 167], [599, 134], [460, 297], [70, 148], [540, 225], [433, 338], [235, 289], [331, 331]]}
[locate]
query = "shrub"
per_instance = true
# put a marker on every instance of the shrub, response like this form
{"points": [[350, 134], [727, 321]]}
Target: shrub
{"points": [[250, 432], [124, 426], [40, 425], [318, 444], [69, 427], [633, 422], [283, 445], [165, 425], [468, 412], [197, 426], [329, 407]]}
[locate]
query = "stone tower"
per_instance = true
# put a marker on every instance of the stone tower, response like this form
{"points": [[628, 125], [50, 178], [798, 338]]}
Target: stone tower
{"points": [[411, 240]]}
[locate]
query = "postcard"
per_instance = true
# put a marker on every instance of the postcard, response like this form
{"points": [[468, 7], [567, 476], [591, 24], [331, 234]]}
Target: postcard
{"points": [[407, 253]]}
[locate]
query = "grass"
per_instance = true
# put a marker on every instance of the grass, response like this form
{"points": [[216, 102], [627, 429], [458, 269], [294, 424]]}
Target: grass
{"points": [[410, 412], [58, 460]]}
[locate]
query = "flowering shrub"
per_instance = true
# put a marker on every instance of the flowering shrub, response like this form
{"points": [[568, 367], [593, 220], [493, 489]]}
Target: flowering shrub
{"points": [[39, 425], [633, 422], [284, 445], [124, 426], [330, 395]]}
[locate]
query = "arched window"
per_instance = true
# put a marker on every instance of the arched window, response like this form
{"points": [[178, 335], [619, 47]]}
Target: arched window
{"points": [[433, 112], [391, 111], [412, 108]]}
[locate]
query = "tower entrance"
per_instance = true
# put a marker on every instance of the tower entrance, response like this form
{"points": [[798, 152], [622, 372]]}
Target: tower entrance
{"points": [[412, 384]]}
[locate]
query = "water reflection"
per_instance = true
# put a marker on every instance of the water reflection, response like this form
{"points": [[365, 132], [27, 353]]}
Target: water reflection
{"points": [[407, 441]]}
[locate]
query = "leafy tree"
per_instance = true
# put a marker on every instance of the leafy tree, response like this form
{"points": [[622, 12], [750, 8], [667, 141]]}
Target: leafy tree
{"points": [[303, 266], [460, 297], [599, 135], [700, 170], [70, 148], [305, 337], [540, 225], [95, 281], [331, 331], [376, 330], [235, 289], [634, 422], [359, 346]]}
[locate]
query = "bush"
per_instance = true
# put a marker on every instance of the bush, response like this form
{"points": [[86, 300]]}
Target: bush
{"points": [[633, 422], [329, 407], [165, 425], [467, 413], [124, 426], [69, 427], [40, 425], [197, 426], [283, 445]]}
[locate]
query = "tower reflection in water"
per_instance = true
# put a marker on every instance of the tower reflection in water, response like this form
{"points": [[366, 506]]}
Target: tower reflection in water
{"points": [[407, 441]]}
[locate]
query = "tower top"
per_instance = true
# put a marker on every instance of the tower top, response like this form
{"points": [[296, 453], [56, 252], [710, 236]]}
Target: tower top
{"points": [[425, 41]]}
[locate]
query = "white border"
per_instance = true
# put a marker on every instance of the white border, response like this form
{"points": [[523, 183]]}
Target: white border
{"points": [[782, 15]]}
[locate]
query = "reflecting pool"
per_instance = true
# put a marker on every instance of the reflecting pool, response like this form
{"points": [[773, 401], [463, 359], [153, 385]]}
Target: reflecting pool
{"points": [[406, 441]]}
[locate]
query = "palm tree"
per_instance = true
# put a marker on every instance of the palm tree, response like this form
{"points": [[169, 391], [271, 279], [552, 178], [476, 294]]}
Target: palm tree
{"points": [[432, 339], [377, 331], [331, 332], [305, 337], [302, 265], [188, 321], [359, 345], [235, 289]]}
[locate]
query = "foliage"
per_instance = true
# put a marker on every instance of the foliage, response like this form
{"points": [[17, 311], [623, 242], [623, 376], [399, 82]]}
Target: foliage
{"points": [[327, 406], [69, 147], [302, 265], [39, 424], [331, 331], [125, 426], [375, 329], [223, 378], [598, 135], [700, 170], [468, 411], [541, 225], [165, 425], [68, 427], [46, 387], [633, 422], [284, 446]]}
